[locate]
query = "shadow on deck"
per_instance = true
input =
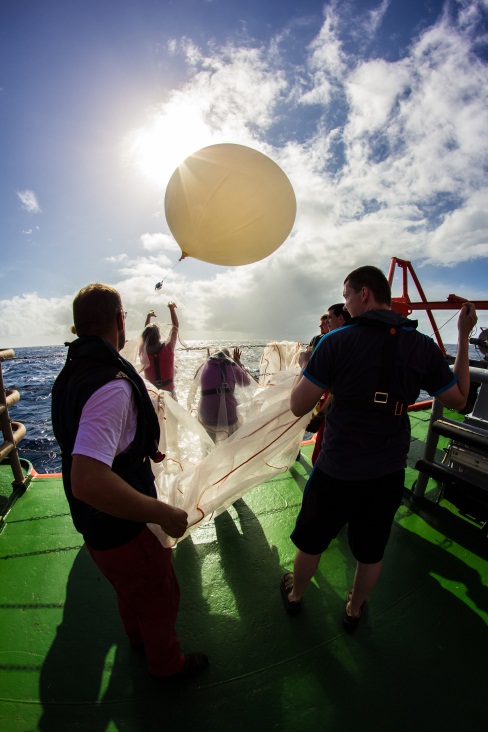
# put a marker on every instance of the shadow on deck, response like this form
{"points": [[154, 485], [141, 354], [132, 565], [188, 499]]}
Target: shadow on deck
{"points": [[418, 660]]}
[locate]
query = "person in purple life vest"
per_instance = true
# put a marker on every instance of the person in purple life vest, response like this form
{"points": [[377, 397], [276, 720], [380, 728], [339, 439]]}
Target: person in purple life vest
{"points": [[157, 356], [219, 377]]}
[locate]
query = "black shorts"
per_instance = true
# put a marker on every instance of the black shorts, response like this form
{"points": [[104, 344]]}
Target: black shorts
{"points": [[367, 506]]}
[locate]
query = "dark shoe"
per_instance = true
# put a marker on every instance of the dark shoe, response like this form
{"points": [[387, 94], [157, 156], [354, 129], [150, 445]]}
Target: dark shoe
{"points": [[286, 586], [350, 622], [137, 647], [193, 664]]}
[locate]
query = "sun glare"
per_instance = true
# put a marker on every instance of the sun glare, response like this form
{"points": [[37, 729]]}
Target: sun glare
{"points": [[158, 148]]}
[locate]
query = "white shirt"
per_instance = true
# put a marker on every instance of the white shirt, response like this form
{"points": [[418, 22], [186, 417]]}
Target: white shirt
{"points": [[108, 422]]}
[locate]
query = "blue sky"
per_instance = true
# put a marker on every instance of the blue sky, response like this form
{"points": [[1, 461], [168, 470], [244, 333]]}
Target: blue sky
{"points": [[376, 111]]}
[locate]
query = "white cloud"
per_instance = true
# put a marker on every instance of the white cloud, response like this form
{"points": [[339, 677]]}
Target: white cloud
{"points": [[33, 319], [29, 201], [373, 90], [158, 242], [146, 267], [463, 233], [117, 259], [231, 93], [326, 63], [375, 17]]}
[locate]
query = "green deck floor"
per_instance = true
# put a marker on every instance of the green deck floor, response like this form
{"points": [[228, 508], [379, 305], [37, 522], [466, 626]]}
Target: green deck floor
{"points": [[417, 662]]}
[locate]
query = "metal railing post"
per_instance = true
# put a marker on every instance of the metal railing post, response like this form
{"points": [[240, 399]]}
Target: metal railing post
{"points": [[12, 432], [430, 448]]}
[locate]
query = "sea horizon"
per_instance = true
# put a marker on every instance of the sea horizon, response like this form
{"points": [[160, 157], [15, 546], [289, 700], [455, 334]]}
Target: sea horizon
{"points": [[34, 368]]}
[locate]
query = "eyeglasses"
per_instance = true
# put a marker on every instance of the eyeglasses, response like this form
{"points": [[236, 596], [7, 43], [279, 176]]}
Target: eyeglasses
{"points": [[124, 313]]}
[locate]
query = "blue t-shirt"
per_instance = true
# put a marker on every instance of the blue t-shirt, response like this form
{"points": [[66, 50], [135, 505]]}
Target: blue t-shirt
{"points": [[361, 444]]}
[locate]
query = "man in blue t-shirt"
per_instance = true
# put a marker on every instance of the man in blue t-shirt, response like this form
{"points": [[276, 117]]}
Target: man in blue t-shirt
{"points": [[374, 366], [324, 328]]}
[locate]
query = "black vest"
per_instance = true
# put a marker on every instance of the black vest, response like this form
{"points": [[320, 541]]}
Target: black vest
{"points": [[91, 363]]}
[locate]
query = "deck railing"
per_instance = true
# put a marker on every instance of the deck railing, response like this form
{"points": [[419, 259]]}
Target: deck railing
{"points": [[464, 476], [12, 432]]}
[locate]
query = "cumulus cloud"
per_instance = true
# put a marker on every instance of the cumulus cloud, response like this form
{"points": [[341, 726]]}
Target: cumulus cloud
{"points": [[463, 232], [32, 317], [29, 201]]}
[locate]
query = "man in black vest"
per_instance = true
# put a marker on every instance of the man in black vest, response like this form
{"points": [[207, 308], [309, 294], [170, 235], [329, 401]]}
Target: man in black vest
{"points": [[374, 366], [107, 429]]}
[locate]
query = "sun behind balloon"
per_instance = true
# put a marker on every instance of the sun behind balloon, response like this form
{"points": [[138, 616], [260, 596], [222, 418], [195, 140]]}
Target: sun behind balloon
{"points": [[229, 204]]}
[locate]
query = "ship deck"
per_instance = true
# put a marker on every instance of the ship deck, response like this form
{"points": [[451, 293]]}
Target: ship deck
{"points": [[417, 660]]}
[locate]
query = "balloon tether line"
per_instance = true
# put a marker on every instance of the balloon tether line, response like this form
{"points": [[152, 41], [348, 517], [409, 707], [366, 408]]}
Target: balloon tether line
{"points": [[160, 284]]}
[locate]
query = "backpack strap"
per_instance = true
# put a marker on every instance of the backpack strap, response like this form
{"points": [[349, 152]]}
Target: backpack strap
{"points": [[382, 401], [224, 388]]}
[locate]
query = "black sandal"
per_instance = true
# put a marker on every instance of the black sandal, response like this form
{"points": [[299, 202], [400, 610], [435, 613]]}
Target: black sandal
{"points": [[286, 586], [351, 622]]}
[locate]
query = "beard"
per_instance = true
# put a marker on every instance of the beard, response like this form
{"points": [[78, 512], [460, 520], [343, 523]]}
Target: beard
{"points": [[121, 339]]}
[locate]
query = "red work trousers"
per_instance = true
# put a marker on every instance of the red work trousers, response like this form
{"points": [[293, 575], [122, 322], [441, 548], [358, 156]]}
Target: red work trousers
{"points": [[148, 596]]}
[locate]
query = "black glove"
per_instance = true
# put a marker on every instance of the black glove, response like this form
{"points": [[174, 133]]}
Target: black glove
{"points": [[315, 422]]}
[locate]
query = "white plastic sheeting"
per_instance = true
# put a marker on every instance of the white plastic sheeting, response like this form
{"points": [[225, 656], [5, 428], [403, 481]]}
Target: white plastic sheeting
{"points": [[206, 484], [278, 356], [204, 479]]}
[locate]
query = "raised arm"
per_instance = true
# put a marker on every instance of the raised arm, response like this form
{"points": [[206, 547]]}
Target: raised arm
{"points": [[175, 324], [150, 315], [457, 396], [243, 378]]}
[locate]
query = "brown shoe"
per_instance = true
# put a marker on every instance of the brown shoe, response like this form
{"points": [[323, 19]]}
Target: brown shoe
{"points": [[292, 607], [193, 664]]}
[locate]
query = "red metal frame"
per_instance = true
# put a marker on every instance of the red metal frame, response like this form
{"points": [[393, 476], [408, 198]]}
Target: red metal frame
{"points": [[405, 306]]}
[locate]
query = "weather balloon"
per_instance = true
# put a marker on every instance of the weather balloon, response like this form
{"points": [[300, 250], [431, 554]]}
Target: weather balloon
{"points": [[229, 204]]}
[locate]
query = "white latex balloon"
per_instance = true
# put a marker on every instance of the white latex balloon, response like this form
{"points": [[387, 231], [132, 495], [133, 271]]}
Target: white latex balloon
{"points": [[229, 204]]}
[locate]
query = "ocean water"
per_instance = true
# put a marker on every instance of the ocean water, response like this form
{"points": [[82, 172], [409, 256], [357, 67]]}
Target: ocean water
{"points": [[33, 371]]}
